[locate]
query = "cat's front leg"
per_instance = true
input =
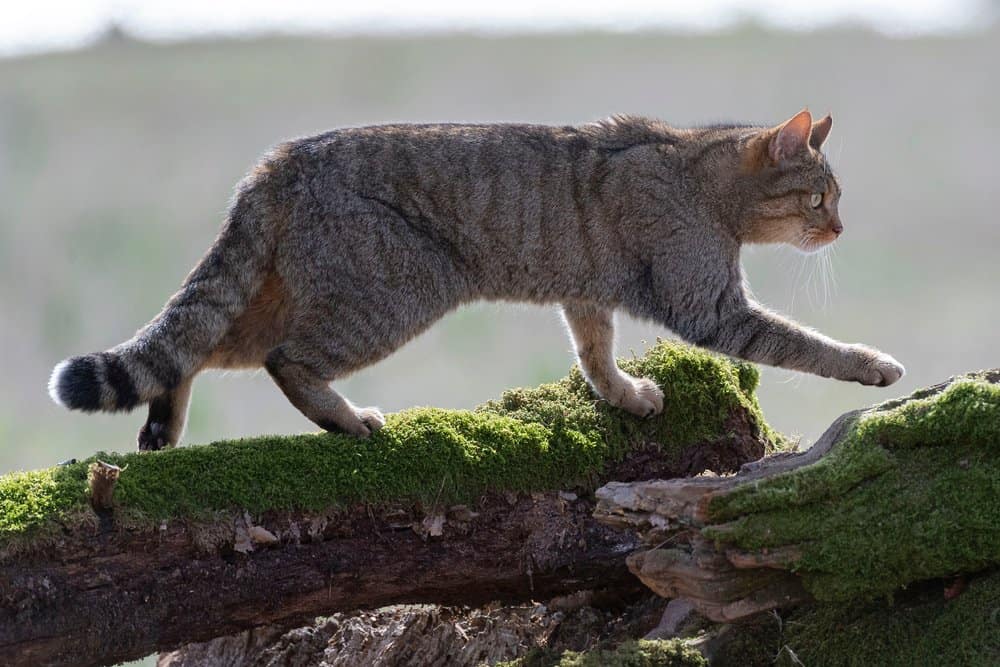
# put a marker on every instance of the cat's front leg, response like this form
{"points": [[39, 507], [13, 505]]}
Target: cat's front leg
{"points": [[593, 332], [756, 334]]}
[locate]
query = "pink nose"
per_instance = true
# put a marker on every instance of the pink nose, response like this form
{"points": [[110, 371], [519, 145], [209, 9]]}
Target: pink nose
{"points": [[837, 228]]}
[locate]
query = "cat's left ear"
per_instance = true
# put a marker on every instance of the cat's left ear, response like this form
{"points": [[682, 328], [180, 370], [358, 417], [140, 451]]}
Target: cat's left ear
{"points": [[820, 131], [791, 137]]}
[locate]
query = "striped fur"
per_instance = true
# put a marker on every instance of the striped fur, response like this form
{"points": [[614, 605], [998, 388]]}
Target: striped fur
{"points": [[341, 247]]}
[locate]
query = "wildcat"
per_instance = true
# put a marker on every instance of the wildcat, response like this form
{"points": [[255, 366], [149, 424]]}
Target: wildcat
{"points": [[339, 248]]}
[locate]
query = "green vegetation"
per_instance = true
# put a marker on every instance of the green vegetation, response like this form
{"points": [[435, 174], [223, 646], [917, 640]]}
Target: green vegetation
{"points": [[642, 653], [910, 493], [922, 627], [29, 499], [554, 436], [925, 629]]}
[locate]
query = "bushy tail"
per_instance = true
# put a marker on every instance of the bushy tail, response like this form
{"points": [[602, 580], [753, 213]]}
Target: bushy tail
{"points": [[178, 340]]}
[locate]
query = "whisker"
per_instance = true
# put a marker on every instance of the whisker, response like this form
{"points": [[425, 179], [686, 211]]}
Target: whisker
{"points": [[813, 289], [826, 277], [803, 259], [832, 270]]}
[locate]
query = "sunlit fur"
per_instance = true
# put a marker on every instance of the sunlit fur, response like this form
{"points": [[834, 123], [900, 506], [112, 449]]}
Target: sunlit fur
{"points": [[339, 248]]}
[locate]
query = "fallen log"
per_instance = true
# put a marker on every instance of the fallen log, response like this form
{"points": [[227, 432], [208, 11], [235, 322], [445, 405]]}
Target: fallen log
{"points": [[904, 492], [120, 556], [114, 595]]}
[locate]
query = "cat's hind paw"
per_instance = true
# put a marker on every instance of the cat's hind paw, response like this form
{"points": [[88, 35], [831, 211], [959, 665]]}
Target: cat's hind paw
{"points": [[152, 437]]}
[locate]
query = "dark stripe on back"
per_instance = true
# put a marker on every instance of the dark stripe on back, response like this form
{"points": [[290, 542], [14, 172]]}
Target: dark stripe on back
{"points": [[118, 377]]}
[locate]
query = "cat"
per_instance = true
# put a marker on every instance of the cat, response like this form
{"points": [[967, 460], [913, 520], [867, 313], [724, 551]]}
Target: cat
{"points": [[339, 248]]}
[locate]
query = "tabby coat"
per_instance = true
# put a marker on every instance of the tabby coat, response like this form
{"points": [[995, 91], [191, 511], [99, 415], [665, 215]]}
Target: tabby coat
{"points": [[341, 247]]}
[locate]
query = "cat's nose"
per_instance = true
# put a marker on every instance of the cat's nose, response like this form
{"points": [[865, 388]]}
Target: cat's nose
{"points": [[837, 228]]}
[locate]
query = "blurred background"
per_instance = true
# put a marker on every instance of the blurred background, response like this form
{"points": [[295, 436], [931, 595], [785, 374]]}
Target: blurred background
{"points": [[124, 126]]}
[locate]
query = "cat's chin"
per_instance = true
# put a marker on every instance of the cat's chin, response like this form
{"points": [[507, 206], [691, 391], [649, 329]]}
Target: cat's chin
{"points": [[813, 245]]}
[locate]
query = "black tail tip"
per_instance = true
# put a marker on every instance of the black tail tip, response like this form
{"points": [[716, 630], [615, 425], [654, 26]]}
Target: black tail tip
{"points": [[75, 385]]}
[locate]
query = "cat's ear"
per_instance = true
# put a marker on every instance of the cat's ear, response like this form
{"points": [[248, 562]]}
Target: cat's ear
{"points": [[820, 131], [791, 137]]}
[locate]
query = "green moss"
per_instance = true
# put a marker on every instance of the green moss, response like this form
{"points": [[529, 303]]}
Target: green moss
{"points": [[641, 653], [919, 628], [28, 499], [554, 436], [923, 630], [911, 493], [754, 643]]}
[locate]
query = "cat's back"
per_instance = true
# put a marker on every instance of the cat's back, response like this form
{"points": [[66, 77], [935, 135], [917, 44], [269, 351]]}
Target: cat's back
{"points": [[459, 139], [444, 175], [442, 146], [459, 161]]}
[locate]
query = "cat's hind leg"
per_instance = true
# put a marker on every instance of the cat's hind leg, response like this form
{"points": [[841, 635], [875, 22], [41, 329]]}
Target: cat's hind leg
{"points": [[593, 332], [167, 417], [307, 386]]}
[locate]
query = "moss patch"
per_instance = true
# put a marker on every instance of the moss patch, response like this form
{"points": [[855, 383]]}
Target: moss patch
{"points": [[29, 499], [924, 629], [911, 493], [641, 653], [920, 628], [553, 436]]}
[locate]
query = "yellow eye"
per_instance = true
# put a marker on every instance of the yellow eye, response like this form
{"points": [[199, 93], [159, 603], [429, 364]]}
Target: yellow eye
{"points": [[816, 200]]}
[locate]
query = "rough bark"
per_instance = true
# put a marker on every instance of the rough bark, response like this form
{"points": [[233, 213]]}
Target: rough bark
{"points": [[112, 596], [429, 635]]}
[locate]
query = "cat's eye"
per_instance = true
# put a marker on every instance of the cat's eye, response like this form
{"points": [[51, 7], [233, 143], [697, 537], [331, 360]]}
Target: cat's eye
{"points": [[816, 200]]}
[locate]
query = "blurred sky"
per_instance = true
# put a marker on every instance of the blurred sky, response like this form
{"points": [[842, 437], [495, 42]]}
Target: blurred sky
{"points": [[43, 25]]}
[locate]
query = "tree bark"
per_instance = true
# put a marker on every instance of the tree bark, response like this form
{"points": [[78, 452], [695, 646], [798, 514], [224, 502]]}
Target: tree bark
{"points": [[113, 595]]}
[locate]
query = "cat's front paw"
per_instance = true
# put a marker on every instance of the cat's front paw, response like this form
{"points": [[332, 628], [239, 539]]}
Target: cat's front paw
{"points": [[371, 418], [641, 397], [359, 422], [878, 369]]}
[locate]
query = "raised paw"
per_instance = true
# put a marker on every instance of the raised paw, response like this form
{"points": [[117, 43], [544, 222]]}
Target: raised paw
{"points": [[152, 437], [641, 397], [878, 369]]}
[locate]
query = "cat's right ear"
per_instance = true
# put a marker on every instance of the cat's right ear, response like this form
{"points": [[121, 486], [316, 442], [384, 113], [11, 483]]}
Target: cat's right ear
{"points": [[820, 131], [790, 138]]}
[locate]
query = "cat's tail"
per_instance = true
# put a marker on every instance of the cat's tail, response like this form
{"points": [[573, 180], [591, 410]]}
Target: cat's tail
{"points": [[176, 343]]}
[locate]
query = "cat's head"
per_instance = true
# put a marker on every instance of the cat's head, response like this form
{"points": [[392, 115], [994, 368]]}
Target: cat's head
{"points": [[792, 195]]}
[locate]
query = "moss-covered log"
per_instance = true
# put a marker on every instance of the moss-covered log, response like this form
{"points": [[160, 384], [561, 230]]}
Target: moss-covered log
{"points": [[904, 492], [443, 506]]}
